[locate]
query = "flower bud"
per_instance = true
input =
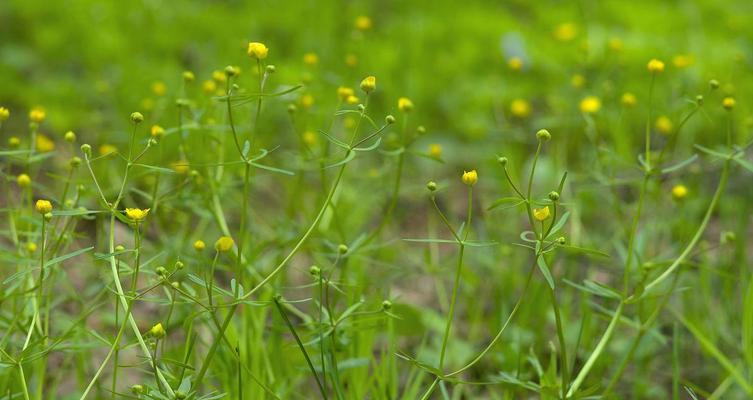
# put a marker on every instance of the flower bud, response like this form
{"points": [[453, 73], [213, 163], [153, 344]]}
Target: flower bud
{"points": [[554, 196], [389, 119], [271, 69], [728, 103], [86, 149], [158, 331], [70, 137], [43, 206], [14, 142], [655, 66], [137, 389], [179, 264], [543, 135], [292, 109], [342, 249], [386, 305], [75, 162], [230, 71], [137, 117], [199, 245], [714, 84], [23, 181], [561, 240], [161, 271], [470, 177], [502, 161], [699, 100], [368, 84], [175, 285], [119, 248], [315, 271], [257, 50], [432, 186], [224, 243], [188, 76]]}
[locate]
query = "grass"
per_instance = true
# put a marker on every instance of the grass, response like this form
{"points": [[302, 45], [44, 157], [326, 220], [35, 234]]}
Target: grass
{"points": [[544, 201]]}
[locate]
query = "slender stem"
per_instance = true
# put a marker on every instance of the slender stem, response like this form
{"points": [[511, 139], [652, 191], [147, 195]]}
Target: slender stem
{"points": [[453, 300], [561, 338]]}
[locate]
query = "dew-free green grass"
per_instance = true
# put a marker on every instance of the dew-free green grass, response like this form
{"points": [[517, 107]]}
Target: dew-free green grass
{"points": [[375, 200]]}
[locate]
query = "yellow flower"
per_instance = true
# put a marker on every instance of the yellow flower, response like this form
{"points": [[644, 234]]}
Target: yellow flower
{"points": [[470, 177], [180, 167], [43, 206], [404, 104], [655, 66], [157, 131], [679, 192], [224, 243], [44, 143], [565, 32], [307, 100], [520, 108], [615, 44], [31, 247], [158, 331], [577, 80], [219, 76], [159, 88], [136, 214], [352, 100], [23, 180], [37, 114], [368, 84], [682, 60], [257, 50], [515, 63], [363, 23], [208, 86], [199, 245], [106, 149], [628, 99], [310, 138], [541, 214], [189, 76], [728, 103], [435, 150], [343, 92], [664, 125], [310, 59], [590, 105], [4, 113]]}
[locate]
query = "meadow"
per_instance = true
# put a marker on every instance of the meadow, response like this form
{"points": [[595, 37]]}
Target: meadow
{"points": [[376, 200]]}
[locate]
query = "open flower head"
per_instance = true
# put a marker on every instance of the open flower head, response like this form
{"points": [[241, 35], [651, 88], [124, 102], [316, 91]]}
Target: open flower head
{"points": [[363, 23], [158, 331], [404, 104], [435, 150], [37, 114], [44, 144], [224, 243], [520, 108], [470, 177], [728, 103], [679, 192], [257, 50], [4, 114], [655, 66], [664, 125], [136, 214], [590, 105], [199, 245], [343, 92], [23, 180], [541, 214], [43, 206], [628, 99]]}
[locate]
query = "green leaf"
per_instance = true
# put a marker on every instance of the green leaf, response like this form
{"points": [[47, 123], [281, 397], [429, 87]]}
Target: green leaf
{"points": [[453, 241], [155, 168], [744, 163], [711, 152], [541, 262], [595, 289], [680, 165], [560, 223], [514, 201], [272, 169], [577, 249], [64, 257], [372, 147], [350, 156]]}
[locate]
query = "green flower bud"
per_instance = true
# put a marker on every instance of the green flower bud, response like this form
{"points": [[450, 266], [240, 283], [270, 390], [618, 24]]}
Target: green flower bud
{"points": [[137, 117], [431, 185], [543, 135]]}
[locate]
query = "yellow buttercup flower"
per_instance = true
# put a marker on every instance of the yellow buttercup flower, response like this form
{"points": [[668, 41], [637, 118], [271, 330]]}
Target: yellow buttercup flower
{"points": [[541, 214], [470, 177], [307, 100], [180, 167], [655, 66], [515, 63], [136, 214], [628, 99], [23, 180], [44, 144], [158, 331], [435, 150], [257, 50], [219, 76], [209, 86], [343, 92], [159, 88], [520, 108], [157, 131], [31, 247], [590, 105], [106, 149], [352, 100], [404, 104], [310, 138], [37, 114], [310, 59], [199, 245], [682, 60], [4, 113], [368, 84], [565, 32], [728, 103], [224, 243], [43, 206], [664, 125], [679, 192], [363, 23]]}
